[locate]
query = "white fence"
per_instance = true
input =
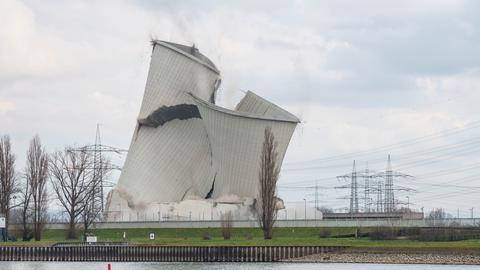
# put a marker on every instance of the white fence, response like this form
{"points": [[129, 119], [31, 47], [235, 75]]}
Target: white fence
{"points": [[281, 223]]}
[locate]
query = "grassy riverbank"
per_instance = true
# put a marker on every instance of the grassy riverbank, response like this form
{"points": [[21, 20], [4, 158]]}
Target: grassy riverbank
{"points": [[250, 237]]}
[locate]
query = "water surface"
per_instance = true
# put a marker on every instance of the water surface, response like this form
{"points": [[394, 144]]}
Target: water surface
{"points": [[219, 266]]}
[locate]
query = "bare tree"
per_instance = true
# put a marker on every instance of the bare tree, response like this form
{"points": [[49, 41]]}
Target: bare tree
{"points": [[325, 210], [436, 217], [8, 185], [437, 214], [36, 174], [268, 177], [404, 210], [72, 177]]}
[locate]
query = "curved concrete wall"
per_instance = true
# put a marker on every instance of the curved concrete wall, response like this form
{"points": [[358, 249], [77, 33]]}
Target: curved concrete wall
{"points": [[236, 139], [168, 162], [186, 147]]}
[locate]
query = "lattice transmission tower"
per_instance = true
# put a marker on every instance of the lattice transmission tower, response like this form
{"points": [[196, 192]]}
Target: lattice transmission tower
{"points": [[389, 176], [380, 184], [100, 165], [353, 178], [368, 188]]}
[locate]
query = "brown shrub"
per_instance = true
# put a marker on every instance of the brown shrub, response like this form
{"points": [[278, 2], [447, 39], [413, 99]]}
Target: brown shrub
{"points": [[324, 232], [227, 224]]}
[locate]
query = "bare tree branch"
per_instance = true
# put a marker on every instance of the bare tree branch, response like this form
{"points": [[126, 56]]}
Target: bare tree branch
{"points": [[71, 181], [76, 178]]}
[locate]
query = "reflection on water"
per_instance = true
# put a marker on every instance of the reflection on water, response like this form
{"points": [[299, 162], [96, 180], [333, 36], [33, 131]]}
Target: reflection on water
{"points": [[219, 266]]}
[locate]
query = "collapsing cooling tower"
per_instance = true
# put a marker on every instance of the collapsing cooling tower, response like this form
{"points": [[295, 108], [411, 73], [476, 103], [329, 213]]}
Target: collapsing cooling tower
{"points": [[186, 148]]}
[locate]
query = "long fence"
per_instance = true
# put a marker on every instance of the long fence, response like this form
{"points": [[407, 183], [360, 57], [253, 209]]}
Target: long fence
{"points": [[278, 223], [161, 253]]}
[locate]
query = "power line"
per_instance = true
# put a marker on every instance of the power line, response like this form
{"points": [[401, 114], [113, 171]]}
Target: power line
{"points": [[98, 149], [427, 175], [448, 150], [443, 133]]}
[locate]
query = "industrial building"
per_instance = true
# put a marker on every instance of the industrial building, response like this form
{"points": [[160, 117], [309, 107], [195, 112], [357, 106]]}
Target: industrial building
{"points": [[375, 215], [189, 158]]}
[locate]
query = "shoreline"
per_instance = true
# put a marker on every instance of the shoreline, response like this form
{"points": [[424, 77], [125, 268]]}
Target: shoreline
{"points": [[254, 254], [395, 256]]}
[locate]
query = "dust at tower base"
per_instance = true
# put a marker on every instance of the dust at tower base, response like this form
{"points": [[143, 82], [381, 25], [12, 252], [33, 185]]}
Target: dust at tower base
{"points": [[188, 158]]}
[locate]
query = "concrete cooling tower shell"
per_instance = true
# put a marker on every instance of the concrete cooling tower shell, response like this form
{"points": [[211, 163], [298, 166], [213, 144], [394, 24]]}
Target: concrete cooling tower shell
{"points": [[236, 138], [187, 151], [169, 156]]}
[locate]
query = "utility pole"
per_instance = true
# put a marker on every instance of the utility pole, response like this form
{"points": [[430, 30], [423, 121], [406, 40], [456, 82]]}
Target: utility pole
{"points": [[473, 220], [389, 195], [305, 200], [354, 191], [316, 199]]}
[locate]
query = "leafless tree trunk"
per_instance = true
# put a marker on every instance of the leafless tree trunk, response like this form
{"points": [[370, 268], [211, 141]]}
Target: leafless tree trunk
{"points": [[36, 173], [25, 211], [72, 177], [8, 185], [268, 177]]}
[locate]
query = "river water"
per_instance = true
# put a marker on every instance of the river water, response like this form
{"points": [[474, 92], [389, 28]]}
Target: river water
{"points": [[221, 266]]}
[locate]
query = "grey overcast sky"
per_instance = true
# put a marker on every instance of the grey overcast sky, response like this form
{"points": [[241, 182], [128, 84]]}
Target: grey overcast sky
{"points": [[360, 74]]}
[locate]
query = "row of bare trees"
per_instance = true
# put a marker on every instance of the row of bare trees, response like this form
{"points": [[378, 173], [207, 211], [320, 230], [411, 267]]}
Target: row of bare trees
{"points": [[30, 187], [74, 176]]}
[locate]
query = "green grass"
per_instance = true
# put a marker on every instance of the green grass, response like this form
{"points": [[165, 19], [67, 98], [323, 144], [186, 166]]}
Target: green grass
{"points": [[248, 237]]}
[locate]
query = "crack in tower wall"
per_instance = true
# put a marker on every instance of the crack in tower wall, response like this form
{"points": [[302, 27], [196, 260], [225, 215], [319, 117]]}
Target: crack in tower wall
{"points": [[166, 114], [210, 192]]}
